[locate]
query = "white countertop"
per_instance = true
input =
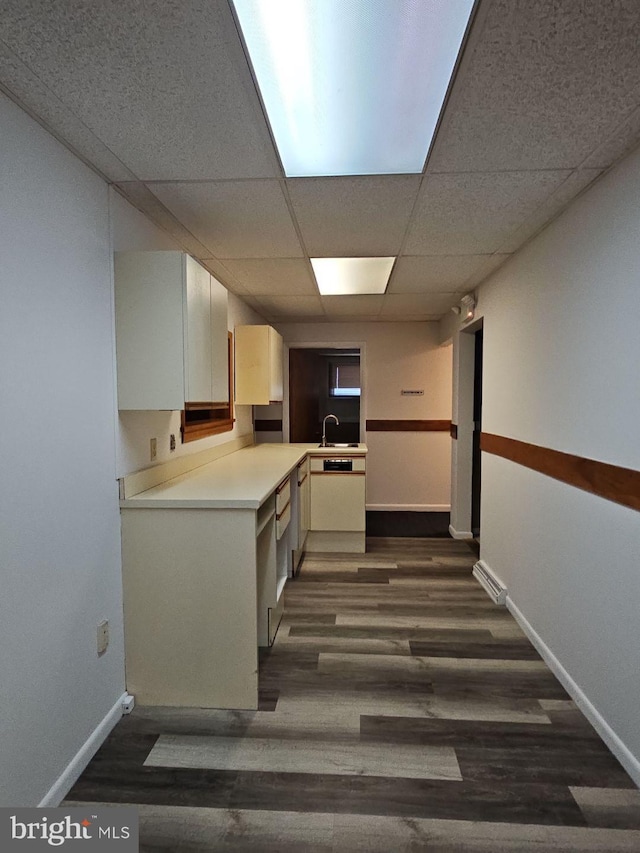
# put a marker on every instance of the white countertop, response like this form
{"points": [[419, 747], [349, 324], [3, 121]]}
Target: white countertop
{"points": [[243, 479]]}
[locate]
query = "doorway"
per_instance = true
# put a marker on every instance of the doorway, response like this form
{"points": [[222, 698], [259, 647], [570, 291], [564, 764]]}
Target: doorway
{"points": [[476, 470], [324, 381]]}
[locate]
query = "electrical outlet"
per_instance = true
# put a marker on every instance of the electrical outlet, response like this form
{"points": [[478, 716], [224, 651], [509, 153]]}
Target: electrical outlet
{"points": [[103, 636], [172, 442], [153, 448]]}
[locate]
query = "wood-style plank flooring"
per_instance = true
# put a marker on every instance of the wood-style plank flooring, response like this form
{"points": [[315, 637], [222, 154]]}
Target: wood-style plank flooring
{"points": [[401, 710]]}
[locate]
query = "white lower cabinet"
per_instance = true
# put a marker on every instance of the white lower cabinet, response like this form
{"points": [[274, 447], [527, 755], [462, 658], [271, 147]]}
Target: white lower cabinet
{"points": [[190, 605], [337, 502], [204, 584], [337, 505], [299, 512], [266, 570], [203, 588], [279, 563]]}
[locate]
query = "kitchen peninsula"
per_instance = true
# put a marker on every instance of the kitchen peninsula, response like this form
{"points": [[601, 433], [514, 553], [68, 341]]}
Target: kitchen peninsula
{"points": [[206, 556]]}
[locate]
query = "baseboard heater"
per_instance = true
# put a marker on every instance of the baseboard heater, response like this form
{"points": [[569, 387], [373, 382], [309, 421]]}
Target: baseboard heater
{"points": [[494, 588]]}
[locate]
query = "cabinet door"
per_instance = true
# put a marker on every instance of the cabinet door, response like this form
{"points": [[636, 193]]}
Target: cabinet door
{"points": [[337, 502], [219, 343], [149, 330], [252, 365], [197, 333], [276, 383]]}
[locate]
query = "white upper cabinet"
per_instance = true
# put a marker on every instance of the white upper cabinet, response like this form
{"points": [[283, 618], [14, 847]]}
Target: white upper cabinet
{"points": [[197, 333], [171, 332], [219, 342], [258, 365]]}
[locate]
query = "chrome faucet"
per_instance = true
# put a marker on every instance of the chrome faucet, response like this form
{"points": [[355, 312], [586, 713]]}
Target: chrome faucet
{"points": [[324, 428]]}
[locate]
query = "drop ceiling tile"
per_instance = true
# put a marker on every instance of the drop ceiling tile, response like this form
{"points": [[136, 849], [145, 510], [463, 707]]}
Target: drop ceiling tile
{"points": [[164, 85], [368, 305], [540, 85], [141, 197], [625, 138], [234, 219], [290, 306], [34, 96], [475, 213], [417, 304], [219, 271], [353, 217], [490, 265], [274, 276], [550, 208], [435, 274]]}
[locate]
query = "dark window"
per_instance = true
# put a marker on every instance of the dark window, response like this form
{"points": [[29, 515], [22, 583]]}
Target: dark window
{"points": [[344, 378]]}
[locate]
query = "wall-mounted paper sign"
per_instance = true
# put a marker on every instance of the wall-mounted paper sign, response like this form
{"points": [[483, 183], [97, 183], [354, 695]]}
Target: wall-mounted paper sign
{"points": [[407, 393]]}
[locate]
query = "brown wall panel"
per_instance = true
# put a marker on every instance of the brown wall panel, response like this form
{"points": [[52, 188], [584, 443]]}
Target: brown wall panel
{"points": [[408, 426], [268, 426], [612, 482]]}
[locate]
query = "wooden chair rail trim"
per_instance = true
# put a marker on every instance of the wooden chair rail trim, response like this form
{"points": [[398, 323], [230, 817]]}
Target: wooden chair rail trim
{"points": [[612, 482], [406, 425]]}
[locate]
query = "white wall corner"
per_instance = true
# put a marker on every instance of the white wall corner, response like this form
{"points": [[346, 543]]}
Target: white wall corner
{"points": [[460, 534], [74, 769], [627, 759]]}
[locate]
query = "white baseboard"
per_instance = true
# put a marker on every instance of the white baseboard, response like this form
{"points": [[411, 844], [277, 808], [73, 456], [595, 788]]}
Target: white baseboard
{"points": [[409, 507], [70, 775], [624, 755], [460, 534]]}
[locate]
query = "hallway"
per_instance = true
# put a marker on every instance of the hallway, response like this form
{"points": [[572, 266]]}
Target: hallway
{"points": [[400, 710]]}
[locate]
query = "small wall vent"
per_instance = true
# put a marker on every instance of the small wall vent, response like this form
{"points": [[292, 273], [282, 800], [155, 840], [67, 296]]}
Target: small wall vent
{"points": [[494, 587]]}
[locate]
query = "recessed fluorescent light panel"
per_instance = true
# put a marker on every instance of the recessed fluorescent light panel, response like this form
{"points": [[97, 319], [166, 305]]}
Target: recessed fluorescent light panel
{"points": [[353, 88], [343, 276]]}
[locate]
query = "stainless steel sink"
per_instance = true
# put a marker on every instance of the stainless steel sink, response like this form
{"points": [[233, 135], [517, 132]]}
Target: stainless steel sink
{"points": [[355, 444]]}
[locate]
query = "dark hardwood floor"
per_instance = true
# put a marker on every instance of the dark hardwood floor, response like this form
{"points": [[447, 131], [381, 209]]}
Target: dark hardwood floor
{"points": [[400, 710]]}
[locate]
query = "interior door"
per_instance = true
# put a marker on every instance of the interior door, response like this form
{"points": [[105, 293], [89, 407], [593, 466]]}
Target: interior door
{"points": [[304, 395]]}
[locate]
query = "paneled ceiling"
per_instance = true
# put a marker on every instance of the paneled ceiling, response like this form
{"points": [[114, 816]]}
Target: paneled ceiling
{"points": [[158, 97]]}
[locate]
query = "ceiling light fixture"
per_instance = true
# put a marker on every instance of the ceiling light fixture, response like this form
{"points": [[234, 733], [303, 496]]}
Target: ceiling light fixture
{"points": [[353, 88], [349, 276], [468, 307]]}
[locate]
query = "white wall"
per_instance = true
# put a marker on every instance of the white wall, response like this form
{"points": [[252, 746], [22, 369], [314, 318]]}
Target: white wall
{"points": [[404, 470], [59, 521], [131, 230], [561, 357]]}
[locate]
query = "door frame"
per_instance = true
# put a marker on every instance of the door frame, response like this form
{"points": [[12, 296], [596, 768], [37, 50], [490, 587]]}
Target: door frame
{"points": [[348, 344], [462, 448], [476, 452]]}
